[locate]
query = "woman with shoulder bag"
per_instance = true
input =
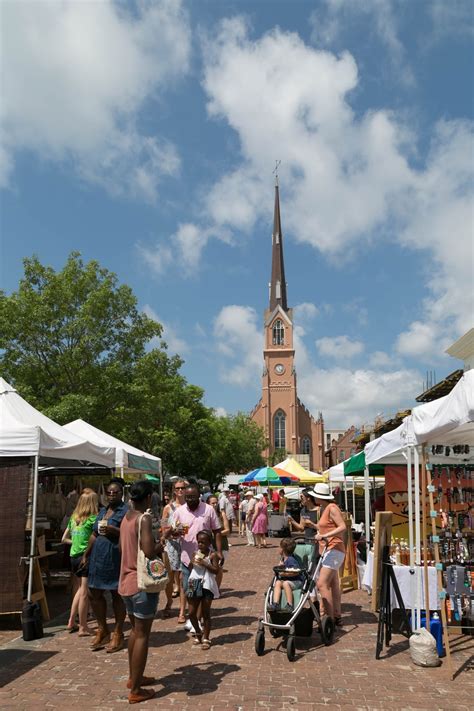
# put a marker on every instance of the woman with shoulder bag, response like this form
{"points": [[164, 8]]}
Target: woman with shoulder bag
{"points": [[136, 541]]}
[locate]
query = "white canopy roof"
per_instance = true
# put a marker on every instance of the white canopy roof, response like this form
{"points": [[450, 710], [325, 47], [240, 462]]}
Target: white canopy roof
{"points": [[448, 420], [26, 432], [126, 456]]}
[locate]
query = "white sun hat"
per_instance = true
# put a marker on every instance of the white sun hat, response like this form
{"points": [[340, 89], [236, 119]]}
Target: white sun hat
{"points": [[321, 491]]}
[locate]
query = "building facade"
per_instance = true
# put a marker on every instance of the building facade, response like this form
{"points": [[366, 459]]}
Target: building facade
{"points": [[287, 423]]}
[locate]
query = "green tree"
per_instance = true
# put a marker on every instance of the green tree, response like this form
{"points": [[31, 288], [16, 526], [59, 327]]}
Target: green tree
{"points": [[75, 345], [71, 338]]}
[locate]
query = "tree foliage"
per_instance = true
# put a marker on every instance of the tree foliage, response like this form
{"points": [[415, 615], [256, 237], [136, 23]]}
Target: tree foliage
{"points": [[75, 344]]}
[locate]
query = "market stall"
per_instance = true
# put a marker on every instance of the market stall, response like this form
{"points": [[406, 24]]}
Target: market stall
{"points": [[438, 442], [27, 438]]}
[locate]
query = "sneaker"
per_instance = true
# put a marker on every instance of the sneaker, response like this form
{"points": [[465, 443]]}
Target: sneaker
{"points": [[288, 608], [273, 607]]}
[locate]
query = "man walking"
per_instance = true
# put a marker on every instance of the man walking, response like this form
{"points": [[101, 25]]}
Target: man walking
{"points": [[189, 520]]}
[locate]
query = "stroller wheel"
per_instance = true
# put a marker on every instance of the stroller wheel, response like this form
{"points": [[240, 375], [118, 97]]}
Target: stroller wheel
{"points": [[260, 642], [327, 630], [291, 648]]}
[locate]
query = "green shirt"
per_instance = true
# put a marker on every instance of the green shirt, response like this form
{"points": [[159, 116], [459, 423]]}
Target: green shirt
{"points": [[80, 534]]}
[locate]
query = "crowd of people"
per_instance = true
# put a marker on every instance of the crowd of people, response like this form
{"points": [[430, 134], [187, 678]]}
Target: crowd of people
{"points": [[189, 532]]}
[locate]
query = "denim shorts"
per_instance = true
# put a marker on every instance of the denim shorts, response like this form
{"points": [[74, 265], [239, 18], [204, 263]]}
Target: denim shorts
{"points": [[333, 559], [142, 605], [185, 573]]}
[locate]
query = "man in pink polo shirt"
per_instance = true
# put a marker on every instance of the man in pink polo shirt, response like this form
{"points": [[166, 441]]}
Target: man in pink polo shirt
{"points": [[189, 520]]}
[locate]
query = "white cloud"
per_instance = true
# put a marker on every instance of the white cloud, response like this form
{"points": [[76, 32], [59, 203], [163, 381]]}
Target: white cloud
{"points": [[346, 180], [220, 411], [239, 340], [348, 397], [175, 343], [381, 18], [451, 18], [305, 312], [339, 347], [75, 76], [380, 359]]}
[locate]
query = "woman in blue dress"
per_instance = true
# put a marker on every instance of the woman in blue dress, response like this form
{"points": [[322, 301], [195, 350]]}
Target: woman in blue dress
{"points": [[103, 554]]}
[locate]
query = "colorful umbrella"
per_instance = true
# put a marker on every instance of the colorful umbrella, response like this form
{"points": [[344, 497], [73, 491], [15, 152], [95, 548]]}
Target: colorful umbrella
{"points": [[304, 476], [269, 476]]}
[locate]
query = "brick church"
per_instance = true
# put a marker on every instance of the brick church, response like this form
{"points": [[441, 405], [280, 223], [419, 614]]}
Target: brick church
{"points": [[287, 423]]}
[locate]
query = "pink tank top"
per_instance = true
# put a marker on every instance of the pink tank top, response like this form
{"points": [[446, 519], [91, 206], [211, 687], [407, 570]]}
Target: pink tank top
{"points": [[326, 525], [128, 565]]}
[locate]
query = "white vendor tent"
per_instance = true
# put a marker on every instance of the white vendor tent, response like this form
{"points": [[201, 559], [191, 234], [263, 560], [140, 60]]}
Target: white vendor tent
{"points": [[126, 457], [446, 421], [26, 432]]}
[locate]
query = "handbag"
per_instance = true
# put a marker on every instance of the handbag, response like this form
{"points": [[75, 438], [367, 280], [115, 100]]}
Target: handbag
{"points": [[152, 575]]}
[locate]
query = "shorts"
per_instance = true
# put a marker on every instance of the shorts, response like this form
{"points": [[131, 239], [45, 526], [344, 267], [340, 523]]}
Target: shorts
{"points": [[79, 570], [142, 605], [294, 584], [333, 559], [185, 573], [206, 595]]}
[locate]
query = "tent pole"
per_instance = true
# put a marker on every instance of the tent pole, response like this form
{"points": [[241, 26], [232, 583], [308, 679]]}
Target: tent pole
{"points": [[353, 501], [425, 543], [345, 494], [33, 529], [367, 508], [417, 539], [410, 508]]}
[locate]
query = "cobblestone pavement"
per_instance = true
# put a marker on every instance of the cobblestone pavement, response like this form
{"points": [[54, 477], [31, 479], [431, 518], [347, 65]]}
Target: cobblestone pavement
{"points": [[60, 671]]}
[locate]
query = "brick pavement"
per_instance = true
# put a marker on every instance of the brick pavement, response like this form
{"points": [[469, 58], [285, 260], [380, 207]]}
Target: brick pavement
{"points": [[60, 671]]}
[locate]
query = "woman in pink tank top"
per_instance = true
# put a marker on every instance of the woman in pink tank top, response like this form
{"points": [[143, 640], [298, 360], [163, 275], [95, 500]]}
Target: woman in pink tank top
{"points": [[331, 527]]}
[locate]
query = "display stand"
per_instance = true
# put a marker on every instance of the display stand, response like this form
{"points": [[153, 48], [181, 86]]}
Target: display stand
{"points": [[382, 539], [38, 593], [348, 576], [388, 579]]}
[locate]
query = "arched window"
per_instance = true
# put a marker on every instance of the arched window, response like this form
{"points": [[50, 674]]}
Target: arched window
{"points": [[278, 333], [306, 445], [280, 430]]}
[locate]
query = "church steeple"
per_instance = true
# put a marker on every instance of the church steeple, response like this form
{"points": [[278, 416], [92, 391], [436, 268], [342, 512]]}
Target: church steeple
{"points": [[277, 283]]}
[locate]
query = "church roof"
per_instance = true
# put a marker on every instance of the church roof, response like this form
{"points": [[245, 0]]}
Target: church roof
{"points": [[278, 282]]}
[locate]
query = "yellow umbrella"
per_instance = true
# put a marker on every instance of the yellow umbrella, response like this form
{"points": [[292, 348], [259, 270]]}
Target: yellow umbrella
{"points": [[305, 477]]}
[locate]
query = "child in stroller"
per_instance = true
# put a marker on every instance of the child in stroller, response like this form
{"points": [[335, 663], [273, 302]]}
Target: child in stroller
{"points": [[290, 576]]}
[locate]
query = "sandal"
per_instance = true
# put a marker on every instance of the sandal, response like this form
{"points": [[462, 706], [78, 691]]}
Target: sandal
{"points": [[338, 621], [72, 629], [181, 620], [116, 644], [175, 593], [206, 644], [143, 695], [100, 640], [197, 641], [146, 681]]}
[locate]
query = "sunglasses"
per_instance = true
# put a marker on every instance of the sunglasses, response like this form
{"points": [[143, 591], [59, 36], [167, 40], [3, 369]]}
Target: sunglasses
{"points": [[177, 488]]}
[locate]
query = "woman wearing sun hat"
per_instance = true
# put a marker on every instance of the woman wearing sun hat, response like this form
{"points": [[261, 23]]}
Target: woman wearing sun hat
{"points": [[331, 528]]}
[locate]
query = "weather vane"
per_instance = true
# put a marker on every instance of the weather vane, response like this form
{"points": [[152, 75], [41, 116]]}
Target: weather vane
{"points": [[277, 165]]}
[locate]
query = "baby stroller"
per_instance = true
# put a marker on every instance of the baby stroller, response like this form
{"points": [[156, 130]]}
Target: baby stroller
{"points": [[298, 623]]}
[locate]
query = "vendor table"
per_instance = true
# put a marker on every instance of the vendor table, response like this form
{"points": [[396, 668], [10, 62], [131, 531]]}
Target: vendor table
{"points": [[407, 584]]}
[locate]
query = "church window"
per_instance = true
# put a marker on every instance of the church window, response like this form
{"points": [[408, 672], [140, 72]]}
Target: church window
{"points": [[280, 429], [278, 333], [306, 445]]}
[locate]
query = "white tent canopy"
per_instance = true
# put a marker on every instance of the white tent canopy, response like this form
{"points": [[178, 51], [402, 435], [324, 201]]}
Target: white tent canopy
{"points": [[126, 456], [448, 420], [26, 432]]}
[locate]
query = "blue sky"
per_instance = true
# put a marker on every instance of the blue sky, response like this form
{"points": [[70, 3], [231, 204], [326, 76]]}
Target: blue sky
{"points": [[145, 135]]}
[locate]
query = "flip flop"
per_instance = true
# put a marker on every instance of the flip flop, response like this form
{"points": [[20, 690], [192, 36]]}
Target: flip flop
{"points": [[116, 645], [143, 695], [146, 681], [74, 628], [175, 593], [100, 642], [206, 644], [181, 620]]}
